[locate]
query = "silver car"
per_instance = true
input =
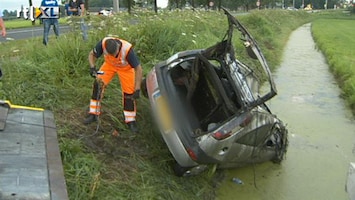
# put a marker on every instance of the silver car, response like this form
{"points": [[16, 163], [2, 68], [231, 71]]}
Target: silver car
{"points": [[210, 106]]}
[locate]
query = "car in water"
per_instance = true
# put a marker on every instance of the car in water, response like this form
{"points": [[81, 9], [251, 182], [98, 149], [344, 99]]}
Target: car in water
{"points": [[211, 109]]}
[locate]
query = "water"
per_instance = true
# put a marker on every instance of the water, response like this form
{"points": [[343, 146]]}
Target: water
{"points": [[321, 133]]}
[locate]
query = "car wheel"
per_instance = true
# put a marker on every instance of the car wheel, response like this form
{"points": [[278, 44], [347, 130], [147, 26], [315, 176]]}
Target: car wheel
{"points": [[280, 135], [144, 87]]}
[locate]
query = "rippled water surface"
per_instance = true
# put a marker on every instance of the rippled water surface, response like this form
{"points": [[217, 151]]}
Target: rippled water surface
{"points": [[321, 133]]}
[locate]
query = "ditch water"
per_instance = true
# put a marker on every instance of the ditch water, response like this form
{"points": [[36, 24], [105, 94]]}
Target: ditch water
{"points": [[321, 133]]}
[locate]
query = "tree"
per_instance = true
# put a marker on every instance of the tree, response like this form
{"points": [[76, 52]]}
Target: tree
{"points": [[6, 13]]}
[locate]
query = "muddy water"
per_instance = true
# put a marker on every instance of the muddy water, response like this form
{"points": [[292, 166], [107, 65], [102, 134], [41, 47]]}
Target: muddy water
{"points": [[321, 133]]}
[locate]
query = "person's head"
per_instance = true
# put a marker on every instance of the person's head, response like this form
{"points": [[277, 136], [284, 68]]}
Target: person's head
{"points": [[112, 46]]}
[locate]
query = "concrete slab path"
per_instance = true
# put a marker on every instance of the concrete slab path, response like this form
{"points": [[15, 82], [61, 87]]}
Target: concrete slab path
{"points": [[30, 162]]}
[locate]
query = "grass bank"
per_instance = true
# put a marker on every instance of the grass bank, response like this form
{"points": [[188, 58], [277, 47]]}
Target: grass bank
{"points": [[97, 164], [335, 38]]}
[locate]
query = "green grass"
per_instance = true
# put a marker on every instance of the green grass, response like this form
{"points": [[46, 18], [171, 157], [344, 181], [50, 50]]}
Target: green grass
{"points": [[98, 165], [335, 38], [22, 23]]}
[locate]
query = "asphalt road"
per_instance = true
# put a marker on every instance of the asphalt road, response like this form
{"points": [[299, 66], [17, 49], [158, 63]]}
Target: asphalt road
{"points": [[25, 33]]}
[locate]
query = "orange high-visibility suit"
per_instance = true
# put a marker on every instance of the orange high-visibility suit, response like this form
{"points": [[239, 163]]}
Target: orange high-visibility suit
{"points": [[126, 65]]}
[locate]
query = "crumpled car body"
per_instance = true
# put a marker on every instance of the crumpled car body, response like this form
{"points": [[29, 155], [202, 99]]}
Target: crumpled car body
{"points": [[210, 106]]}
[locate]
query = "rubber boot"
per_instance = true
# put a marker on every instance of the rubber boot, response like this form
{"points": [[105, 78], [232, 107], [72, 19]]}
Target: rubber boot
{"points": [[91, 118], [133, 126]]}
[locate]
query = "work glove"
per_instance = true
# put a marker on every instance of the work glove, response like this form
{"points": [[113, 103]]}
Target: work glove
{"points": [[93, 72], [136, 94]]}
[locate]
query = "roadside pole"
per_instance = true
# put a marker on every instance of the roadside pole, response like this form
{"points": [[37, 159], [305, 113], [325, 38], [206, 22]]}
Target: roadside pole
{"points": [[31, 10], [116, 6]]}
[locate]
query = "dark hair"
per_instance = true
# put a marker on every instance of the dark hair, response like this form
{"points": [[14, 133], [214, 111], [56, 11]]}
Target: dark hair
{"points": [[112, 45]]}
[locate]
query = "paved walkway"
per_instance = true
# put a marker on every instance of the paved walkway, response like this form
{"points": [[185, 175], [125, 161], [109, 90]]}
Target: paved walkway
{"points": [[30, 162]]}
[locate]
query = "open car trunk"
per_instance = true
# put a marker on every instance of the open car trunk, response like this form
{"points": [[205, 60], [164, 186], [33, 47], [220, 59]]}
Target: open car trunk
{"points": [[207, 96]]}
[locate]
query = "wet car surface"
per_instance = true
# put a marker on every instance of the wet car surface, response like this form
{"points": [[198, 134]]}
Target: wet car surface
{"points": [[209, 107]]}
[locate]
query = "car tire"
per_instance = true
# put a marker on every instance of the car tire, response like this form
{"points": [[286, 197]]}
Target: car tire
{"points": [[144, 88], [280, 133]]}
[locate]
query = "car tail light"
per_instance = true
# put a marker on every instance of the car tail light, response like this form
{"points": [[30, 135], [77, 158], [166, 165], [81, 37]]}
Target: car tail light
{"points": [[191, 154], [220, 135]]}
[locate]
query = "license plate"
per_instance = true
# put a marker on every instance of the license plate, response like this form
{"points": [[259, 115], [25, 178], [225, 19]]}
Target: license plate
{"points": [[163, 112]]}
